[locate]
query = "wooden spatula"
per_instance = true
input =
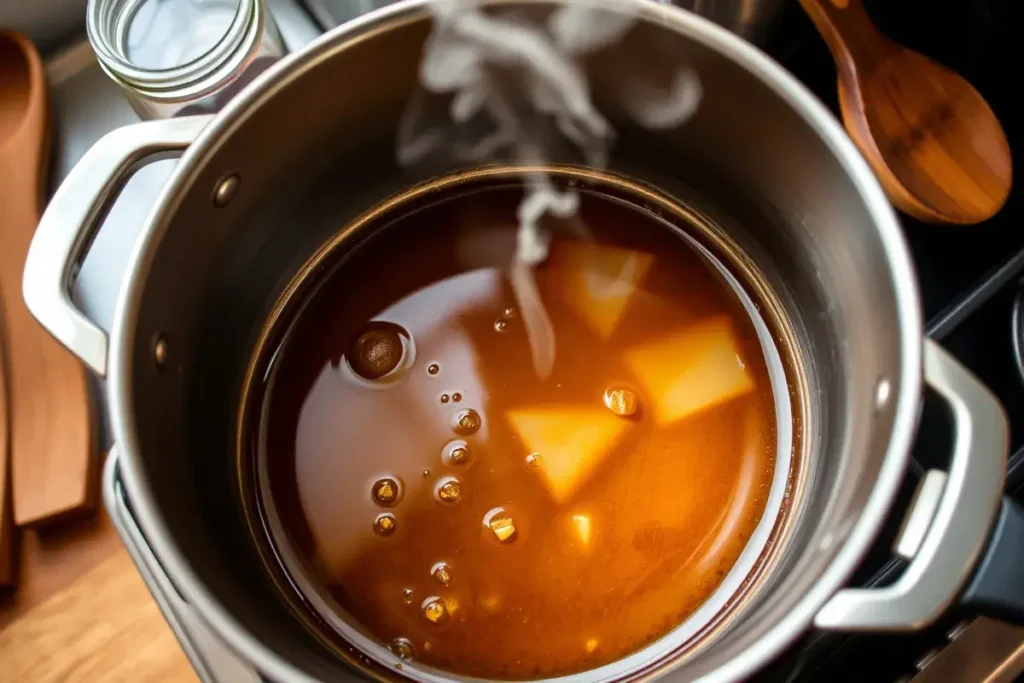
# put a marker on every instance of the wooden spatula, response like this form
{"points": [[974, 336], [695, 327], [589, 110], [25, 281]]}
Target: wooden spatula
{"points": [[52, 450], [932, 140]]}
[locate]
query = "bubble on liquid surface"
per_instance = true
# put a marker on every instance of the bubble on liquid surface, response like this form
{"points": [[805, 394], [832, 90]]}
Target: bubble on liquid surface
{"points": [[386, 491], [433, 369], [500, 524], [510, 312], [385, 524], [448, 490], [534, 460], [382, 350], [456, 453], [456, 397], [501, 325], [407, 596], [445, 398], [434, 610], [442, 571], [622, 402], [466, 422], [459, 455], [402, 648]]}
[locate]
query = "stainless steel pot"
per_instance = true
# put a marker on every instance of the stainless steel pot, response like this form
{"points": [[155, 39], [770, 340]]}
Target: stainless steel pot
{"points": [[308, 147]]}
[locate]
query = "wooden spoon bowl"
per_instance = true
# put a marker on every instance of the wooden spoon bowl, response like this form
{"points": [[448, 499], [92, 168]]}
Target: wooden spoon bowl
{"points": [[931, 138]]}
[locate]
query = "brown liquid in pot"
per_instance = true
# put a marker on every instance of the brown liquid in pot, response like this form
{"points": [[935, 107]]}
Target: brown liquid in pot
{"points": [[484, 521]]}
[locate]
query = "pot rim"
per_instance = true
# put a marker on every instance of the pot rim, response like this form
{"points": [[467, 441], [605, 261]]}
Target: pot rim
{"points": [[693, 27]]}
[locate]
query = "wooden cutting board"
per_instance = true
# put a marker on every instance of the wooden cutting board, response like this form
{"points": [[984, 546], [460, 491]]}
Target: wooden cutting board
{"points": [[83, 613]]}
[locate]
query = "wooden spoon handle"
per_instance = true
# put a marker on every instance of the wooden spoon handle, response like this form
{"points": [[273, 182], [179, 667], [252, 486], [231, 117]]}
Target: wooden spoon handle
{"points": [[855, 43]]}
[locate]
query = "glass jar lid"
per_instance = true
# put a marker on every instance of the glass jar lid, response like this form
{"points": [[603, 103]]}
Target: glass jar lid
{"points": [[172, 49]]}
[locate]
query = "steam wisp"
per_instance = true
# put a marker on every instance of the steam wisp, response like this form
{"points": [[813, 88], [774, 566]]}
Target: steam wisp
{"points": [[519, 92]]}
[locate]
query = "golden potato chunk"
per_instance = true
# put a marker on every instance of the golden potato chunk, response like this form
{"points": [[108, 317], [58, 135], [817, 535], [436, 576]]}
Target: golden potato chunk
{"points": [[583, 526], [691, 370], [599, 281], [572, 442]]}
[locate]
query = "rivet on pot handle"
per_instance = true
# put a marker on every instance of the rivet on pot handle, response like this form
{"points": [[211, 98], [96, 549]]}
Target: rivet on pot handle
{"points": [[75, 214], [962, 519]]}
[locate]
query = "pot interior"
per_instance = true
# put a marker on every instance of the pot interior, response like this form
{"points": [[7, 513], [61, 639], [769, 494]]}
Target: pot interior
{"points": [[688, 492], [808, 234]]}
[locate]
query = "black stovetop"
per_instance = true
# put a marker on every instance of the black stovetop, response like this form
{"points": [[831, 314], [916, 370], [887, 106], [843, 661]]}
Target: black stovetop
{"points": [[969, 279]]}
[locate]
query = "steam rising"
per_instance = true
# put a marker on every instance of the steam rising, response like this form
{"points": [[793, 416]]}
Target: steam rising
{"points": [[517, 91]]}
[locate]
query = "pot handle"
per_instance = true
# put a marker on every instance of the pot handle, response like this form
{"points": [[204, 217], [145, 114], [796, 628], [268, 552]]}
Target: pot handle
{"points": [[75, 214], [949, 523]]}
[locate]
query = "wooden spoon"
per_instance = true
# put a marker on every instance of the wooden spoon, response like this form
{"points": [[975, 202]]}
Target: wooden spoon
{"points": [[52, 450], [933, 141]]}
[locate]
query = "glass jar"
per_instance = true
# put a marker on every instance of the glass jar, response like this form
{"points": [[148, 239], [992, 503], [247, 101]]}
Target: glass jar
{"points": [[179, 57]]}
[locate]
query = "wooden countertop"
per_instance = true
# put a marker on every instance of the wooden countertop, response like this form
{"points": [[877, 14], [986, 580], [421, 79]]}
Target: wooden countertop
{"points": [[82, 613]]}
